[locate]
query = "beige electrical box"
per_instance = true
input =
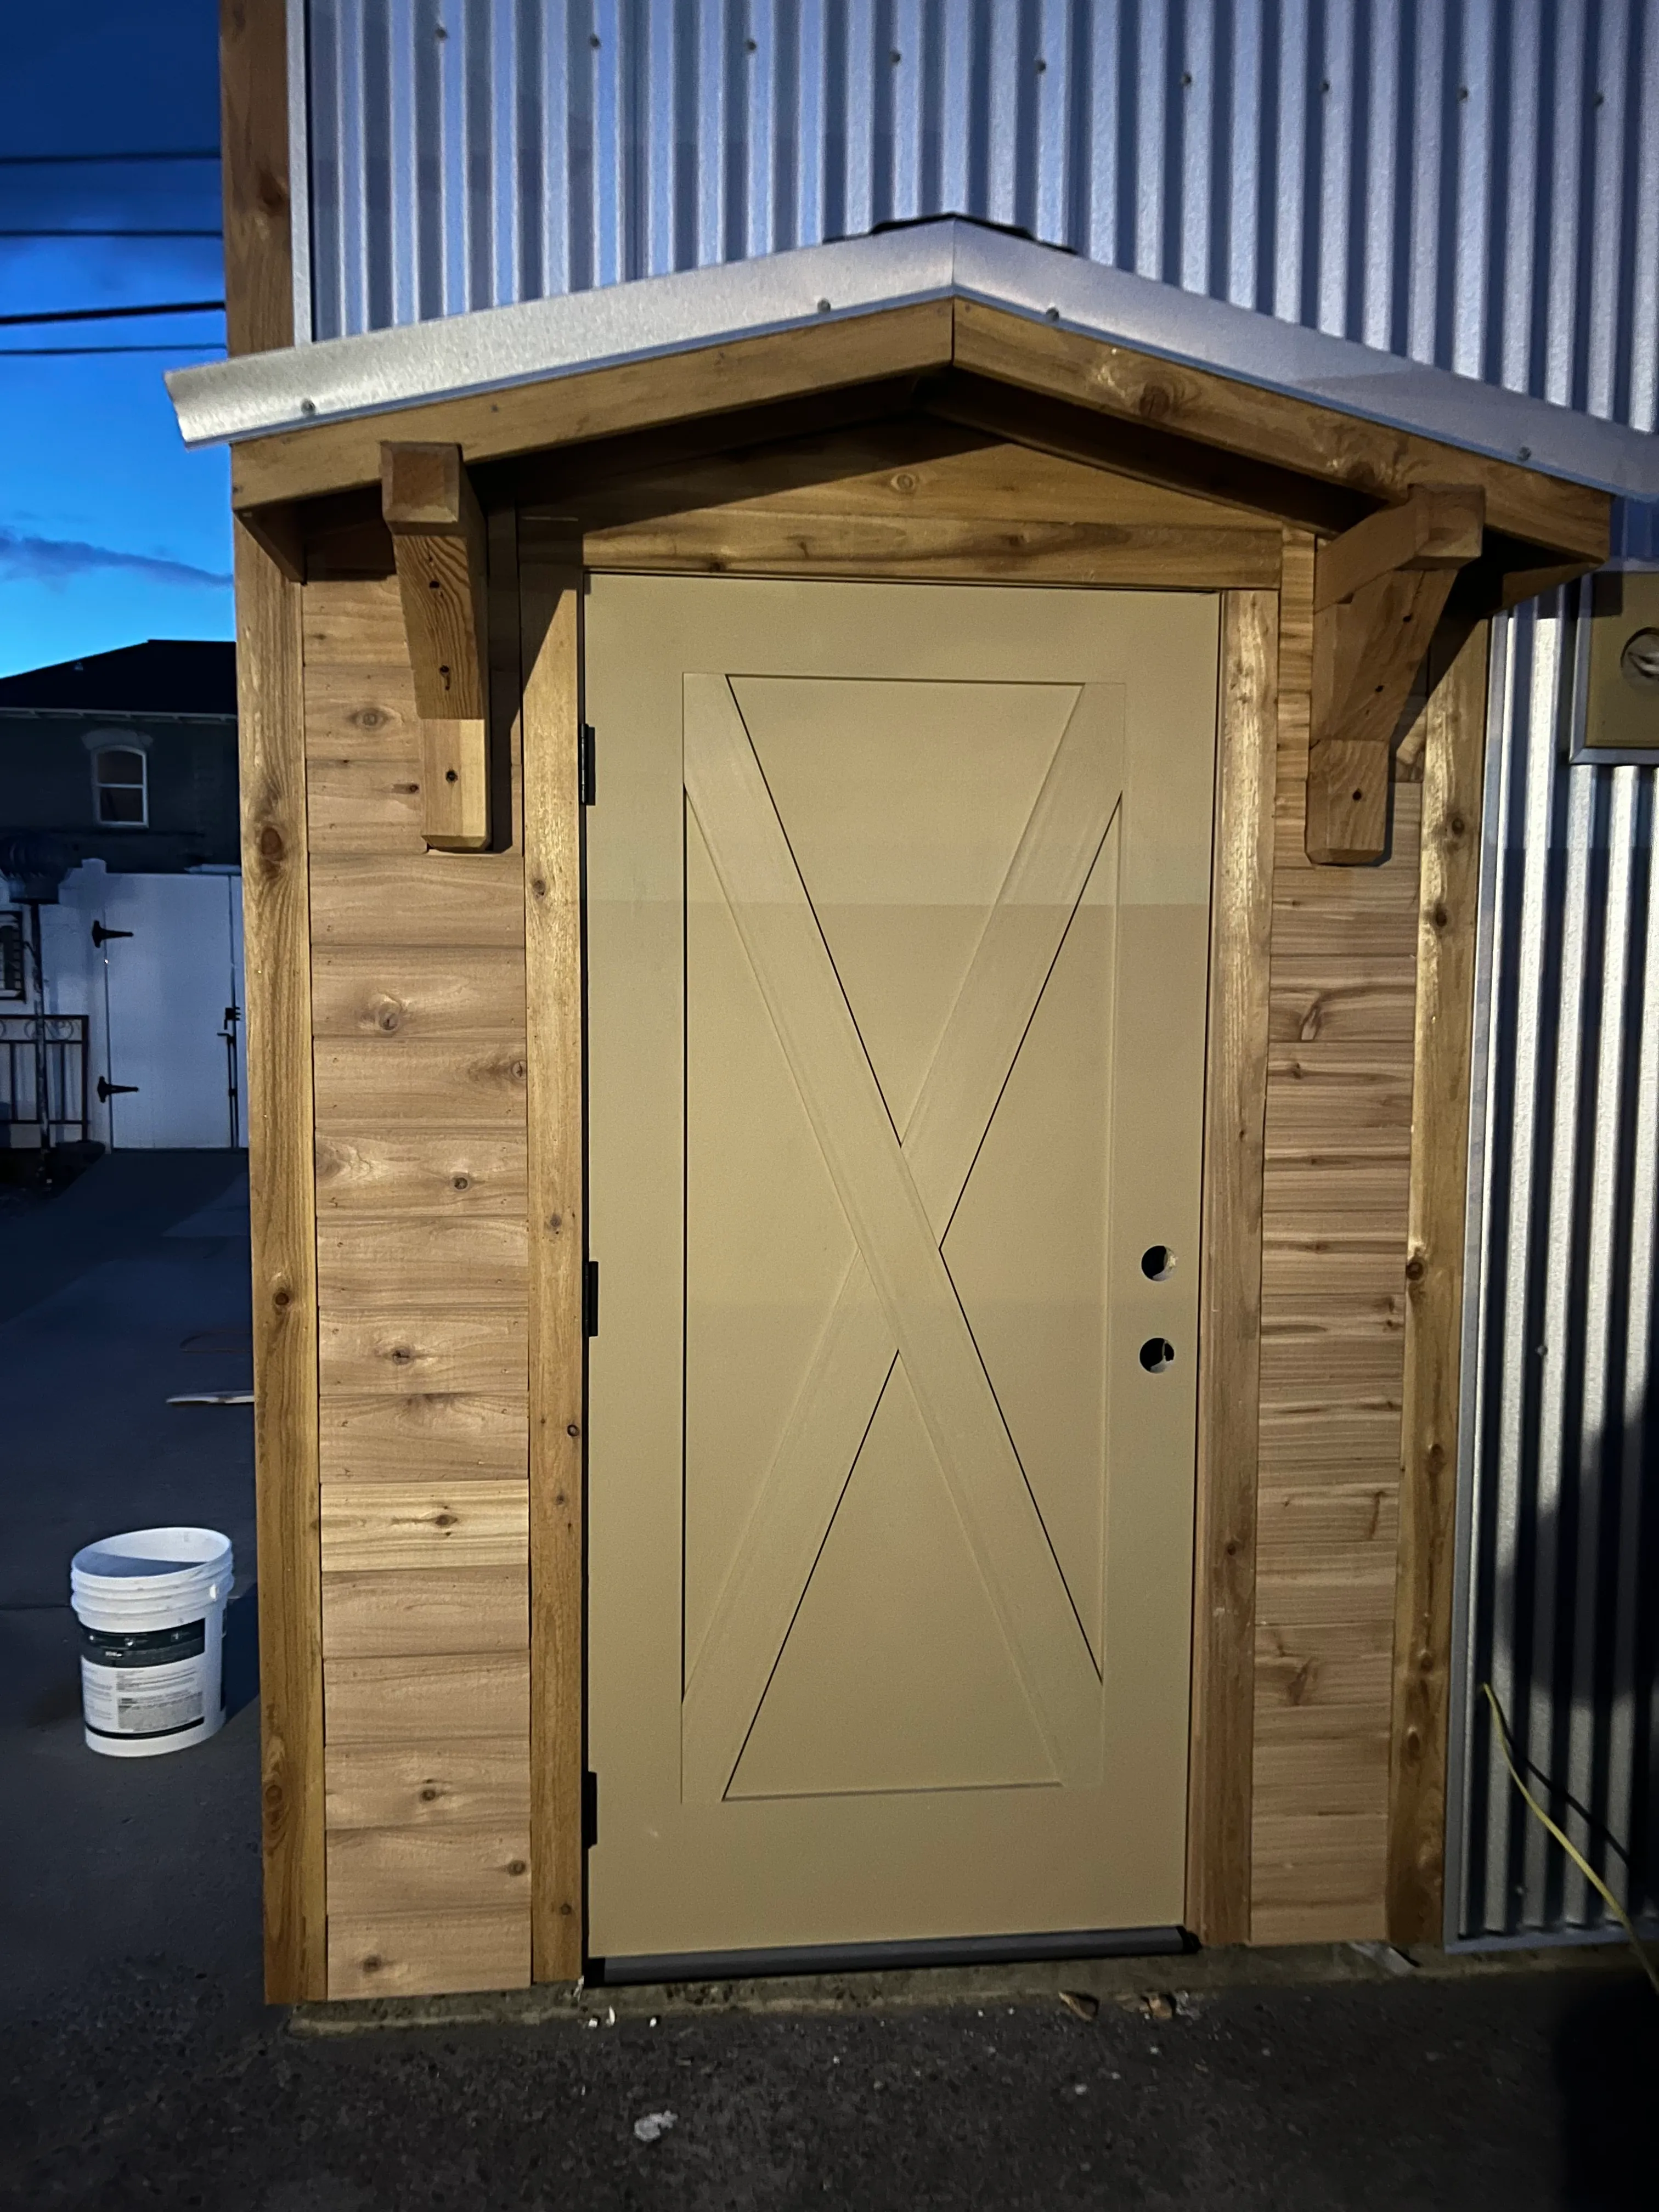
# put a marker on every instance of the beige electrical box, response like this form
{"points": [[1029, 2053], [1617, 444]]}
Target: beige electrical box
{"points": [[1623, 707]]}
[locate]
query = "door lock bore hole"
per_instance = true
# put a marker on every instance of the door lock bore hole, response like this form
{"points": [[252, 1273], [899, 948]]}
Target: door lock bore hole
{"points": [[1156, 1354]]}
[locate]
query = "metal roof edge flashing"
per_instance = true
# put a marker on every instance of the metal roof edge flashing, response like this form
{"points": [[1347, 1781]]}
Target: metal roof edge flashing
{"points": [[538, 341]]}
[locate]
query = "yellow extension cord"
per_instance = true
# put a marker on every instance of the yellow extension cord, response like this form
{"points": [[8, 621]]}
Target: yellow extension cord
{"points": [[1565, 1840]]}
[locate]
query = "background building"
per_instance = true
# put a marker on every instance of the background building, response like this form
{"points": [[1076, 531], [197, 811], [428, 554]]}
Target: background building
{"points": [[121, 885]]}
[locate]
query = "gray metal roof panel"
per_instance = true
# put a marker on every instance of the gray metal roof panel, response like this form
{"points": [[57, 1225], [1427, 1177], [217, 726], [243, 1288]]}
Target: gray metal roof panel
{"points": [[540, 339]]}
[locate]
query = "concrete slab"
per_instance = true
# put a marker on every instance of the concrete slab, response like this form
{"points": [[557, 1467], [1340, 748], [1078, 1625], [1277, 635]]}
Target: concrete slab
{"points": [[104, 1314], [139, 2067]]}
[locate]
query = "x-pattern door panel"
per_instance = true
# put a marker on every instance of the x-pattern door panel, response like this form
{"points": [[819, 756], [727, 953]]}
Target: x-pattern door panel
{"points": [[899, 1193], [898, 915]]}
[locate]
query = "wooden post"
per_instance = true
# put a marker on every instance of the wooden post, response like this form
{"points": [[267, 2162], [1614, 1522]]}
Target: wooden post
{"points": [[253, 146], [1453, 775], [550, 573], [276, 909], [1219, 1785], [438, 541]]}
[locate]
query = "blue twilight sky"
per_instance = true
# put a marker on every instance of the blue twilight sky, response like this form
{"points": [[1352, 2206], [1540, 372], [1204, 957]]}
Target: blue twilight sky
{"points": [[110, 532]]}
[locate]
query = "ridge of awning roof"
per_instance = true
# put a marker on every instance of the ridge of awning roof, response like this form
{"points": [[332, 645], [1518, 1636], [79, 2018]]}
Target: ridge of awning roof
{"points": [[494, 349]]}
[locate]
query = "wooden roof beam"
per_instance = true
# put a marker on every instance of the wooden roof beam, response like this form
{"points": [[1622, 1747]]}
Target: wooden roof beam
{"points": [[1379, 590], [438, 543]]}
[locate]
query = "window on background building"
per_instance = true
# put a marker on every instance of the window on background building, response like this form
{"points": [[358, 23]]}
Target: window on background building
{"points": [[117, 778]]}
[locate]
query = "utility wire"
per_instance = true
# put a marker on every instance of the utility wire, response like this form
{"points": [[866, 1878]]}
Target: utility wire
{"points": [[152, 153], [42, 353], [114, 314], [83, 232]]}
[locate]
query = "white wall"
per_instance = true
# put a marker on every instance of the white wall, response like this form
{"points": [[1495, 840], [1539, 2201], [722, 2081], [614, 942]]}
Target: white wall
{"points": [[155, 999]]}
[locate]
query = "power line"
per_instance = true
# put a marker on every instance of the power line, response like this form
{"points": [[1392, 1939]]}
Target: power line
{"points": [[83, 232], [153, 154], [114, 314], [43, 353]]}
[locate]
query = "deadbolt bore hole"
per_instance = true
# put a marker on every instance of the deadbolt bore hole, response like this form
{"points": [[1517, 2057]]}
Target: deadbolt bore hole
{"points": [[1156, 1354], [1156, 1262]]}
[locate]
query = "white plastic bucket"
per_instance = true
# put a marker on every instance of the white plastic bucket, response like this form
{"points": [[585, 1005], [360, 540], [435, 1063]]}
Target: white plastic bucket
{"points": [[151, 1606]]}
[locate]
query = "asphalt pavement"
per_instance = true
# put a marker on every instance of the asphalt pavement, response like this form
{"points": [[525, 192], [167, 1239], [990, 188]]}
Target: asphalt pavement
{"points": [[139, 2067]]}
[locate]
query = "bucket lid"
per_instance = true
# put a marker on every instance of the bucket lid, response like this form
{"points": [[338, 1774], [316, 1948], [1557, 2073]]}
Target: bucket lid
{"points": [[149, 1555]]}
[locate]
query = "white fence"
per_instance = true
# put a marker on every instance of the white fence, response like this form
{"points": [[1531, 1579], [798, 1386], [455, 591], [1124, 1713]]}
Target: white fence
{"points": [[154, 963]]}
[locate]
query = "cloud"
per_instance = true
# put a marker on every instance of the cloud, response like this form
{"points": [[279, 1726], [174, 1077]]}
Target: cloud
{"points": [[55, 560]]}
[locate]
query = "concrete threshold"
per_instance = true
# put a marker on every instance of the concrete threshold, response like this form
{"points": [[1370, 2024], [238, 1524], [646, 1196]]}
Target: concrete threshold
{"points": [[1164, 1987]]}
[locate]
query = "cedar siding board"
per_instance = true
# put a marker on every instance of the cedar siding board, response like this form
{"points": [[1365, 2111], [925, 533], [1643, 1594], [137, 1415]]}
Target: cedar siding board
{"points": [[1334, 1197], [419, 1040]]}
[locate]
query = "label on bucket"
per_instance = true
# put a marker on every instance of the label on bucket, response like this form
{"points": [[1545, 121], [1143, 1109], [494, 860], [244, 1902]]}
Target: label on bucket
{"points": [[145, 1685]]}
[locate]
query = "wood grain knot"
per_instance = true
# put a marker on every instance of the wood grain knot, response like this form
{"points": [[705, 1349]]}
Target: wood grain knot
{"points": [[282, 1297], [517, 1867], [402, 1354], [272, 846], [903, 481], [387, 1015], [564, 1909], [1416, 1268], [445, 1520], [272, 194], [1156, 403], [1302, 1682], [430, 1794], [556, 1222], [538, 887], [369, 718], [372, 1964], [558, 1498], [1439, 916], [571, 1429], [460, 1182], [1457, 825]]}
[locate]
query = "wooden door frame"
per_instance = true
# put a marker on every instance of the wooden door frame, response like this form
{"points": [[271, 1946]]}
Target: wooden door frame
{"points": [[1221, 1732]]}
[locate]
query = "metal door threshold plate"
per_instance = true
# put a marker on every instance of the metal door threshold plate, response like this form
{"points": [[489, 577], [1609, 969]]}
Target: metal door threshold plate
{"points": [[887, 1957]]}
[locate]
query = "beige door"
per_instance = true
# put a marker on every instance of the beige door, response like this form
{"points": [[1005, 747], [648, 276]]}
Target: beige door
{"points": [[897, 926]]}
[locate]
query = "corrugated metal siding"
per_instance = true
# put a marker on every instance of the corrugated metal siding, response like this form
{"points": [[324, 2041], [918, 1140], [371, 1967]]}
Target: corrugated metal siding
{"points": [[1561, 1542], [1471, 183]]}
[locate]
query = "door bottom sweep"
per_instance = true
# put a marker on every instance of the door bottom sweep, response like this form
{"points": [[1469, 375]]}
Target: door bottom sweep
{"points": [[887, 1958]]}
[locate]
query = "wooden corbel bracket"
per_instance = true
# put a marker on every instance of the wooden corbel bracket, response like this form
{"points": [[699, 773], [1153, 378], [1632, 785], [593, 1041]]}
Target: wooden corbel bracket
{"points": [[438, 543], [1378, 591]]}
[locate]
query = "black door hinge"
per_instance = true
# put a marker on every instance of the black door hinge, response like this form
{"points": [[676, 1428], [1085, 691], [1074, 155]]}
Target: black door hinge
{"points": [[101, 936], [590, 1810], [586, 771], [591, 1298]]}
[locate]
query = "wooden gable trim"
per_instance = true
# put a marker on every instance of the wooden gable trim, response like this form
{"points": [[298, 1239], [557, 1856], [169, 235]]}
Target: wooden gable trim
{"points": [[598, 403], [1360, 464], [1380, 463]]}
